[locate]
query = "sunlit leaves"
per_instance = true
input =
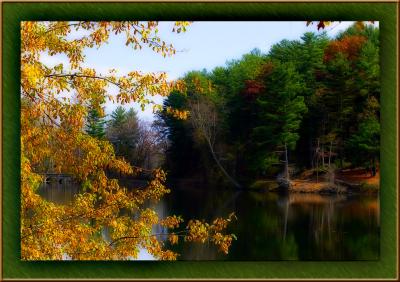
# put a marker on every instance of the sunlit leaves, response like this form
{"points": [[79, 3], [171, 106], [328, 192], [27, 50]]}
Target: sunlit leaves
{"points": [[55, 102], [200, 231], [178, 114]]}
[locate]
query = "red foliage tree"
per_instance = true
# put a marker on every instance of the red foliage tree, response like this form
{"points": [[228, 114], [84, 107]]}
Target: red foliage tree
{"points": [[350, 46], [253, 88]]}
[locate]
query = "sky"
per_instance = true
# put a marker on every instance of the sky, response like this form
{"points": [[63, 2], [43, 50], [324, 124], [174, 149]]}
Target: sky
{"points": [[205, 45]]}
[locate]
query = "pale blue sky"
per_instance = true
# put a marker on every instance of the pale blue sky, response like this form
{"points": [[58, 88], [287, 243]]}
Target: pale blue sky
{"points": [[204, 45]]}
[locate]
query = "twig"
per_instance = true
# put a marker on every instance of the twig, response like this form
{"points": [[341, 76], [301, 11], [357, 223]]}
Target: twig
{"points": [[179, 233]]}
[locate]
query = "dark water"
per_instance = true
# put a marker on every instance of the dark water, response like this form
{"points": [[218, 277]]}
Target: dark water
{"points": [[269, 226]]}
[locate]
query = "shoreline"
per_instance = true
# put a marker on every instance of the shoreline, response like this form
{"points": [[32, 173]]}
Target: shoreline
{"points": [[347, 182]]}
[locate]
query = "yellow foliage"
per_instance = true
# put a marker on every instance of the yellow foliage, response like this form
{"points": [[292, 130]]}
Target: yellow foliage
{"points": [[178, 114], [52, 138]]}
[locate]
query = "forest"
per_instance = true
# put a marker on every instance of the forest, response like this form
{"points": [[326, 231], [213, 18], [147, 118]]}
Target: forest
{"points": [[308, 108], [309, 105], [302, 120]]}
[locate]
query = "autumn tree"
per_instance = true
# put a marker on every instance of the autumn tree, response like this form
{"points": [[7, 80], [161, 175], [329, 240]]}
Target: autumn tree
{"points": [[336, 79], [350, 85], [366, 138], [53, 114]]}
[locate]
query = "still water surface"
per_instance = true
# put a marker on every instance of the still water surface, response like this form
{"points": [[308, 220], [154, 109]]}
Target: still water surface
{"points": [[269, 226]]}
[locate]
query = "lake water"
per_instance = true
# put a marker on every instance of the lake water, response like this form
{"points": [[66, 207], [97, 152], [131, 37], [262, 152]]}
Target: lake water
{"points": [[270, 226]]}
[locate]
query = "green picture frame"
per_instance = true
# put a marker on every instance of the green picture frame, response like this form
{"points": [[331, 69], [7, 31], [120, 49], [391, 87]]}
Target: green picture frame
{"points": [[14, 13]]}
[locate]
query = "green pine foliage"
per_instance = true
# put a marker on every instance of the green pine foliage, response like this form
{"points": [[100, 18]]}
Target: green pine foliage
{"points": [[95, 123], [315, 94], [281, 110]]}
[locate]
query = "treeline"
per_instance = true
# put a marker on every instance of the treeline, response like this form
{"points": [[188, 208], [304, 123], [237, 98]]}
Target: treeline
{"points": [[136, 141], [311, 103]]}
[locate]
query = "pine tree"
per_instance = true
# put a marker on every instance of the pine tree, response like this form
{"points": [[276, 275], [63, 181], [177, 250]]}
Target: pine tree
{"points": [[364, 144], [95, 123], [118, 117], [281, 109], [123, 132]]}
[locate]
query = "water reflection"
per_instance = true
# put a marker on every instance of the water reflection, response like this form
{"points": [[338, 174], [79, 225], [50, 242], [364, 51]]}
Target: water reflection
{"points": [[285, 227], [59, 193], [269, 226]]}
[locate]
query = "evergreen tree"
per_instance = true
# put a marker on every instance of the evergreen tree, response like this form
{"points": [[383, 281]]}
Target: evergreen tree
{"points": [[118, 117], [363, 145], [350, 91], [307, 56], [122, 132], [182, 157], [281, 109], [95, 122]]}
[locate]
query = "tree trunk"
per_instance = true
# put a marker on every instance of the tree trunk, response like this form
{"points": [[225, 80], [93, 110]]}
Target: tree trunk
{"points": [[286, 164], [317, 159], [233, 181]]}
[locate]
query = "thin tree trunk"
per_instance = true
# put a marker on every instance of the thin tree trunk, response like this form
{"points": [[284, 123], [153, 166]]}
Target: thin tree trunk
{"points": [[322, 146], [330, 152], [286, 164], [205, 119], [317, 158], [233, 181]]}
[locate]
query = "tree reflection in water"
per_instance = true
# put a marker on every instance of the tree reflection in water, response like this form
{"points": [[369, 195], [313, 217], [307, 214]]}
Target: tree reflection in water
{"points": [[269, 226]]}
